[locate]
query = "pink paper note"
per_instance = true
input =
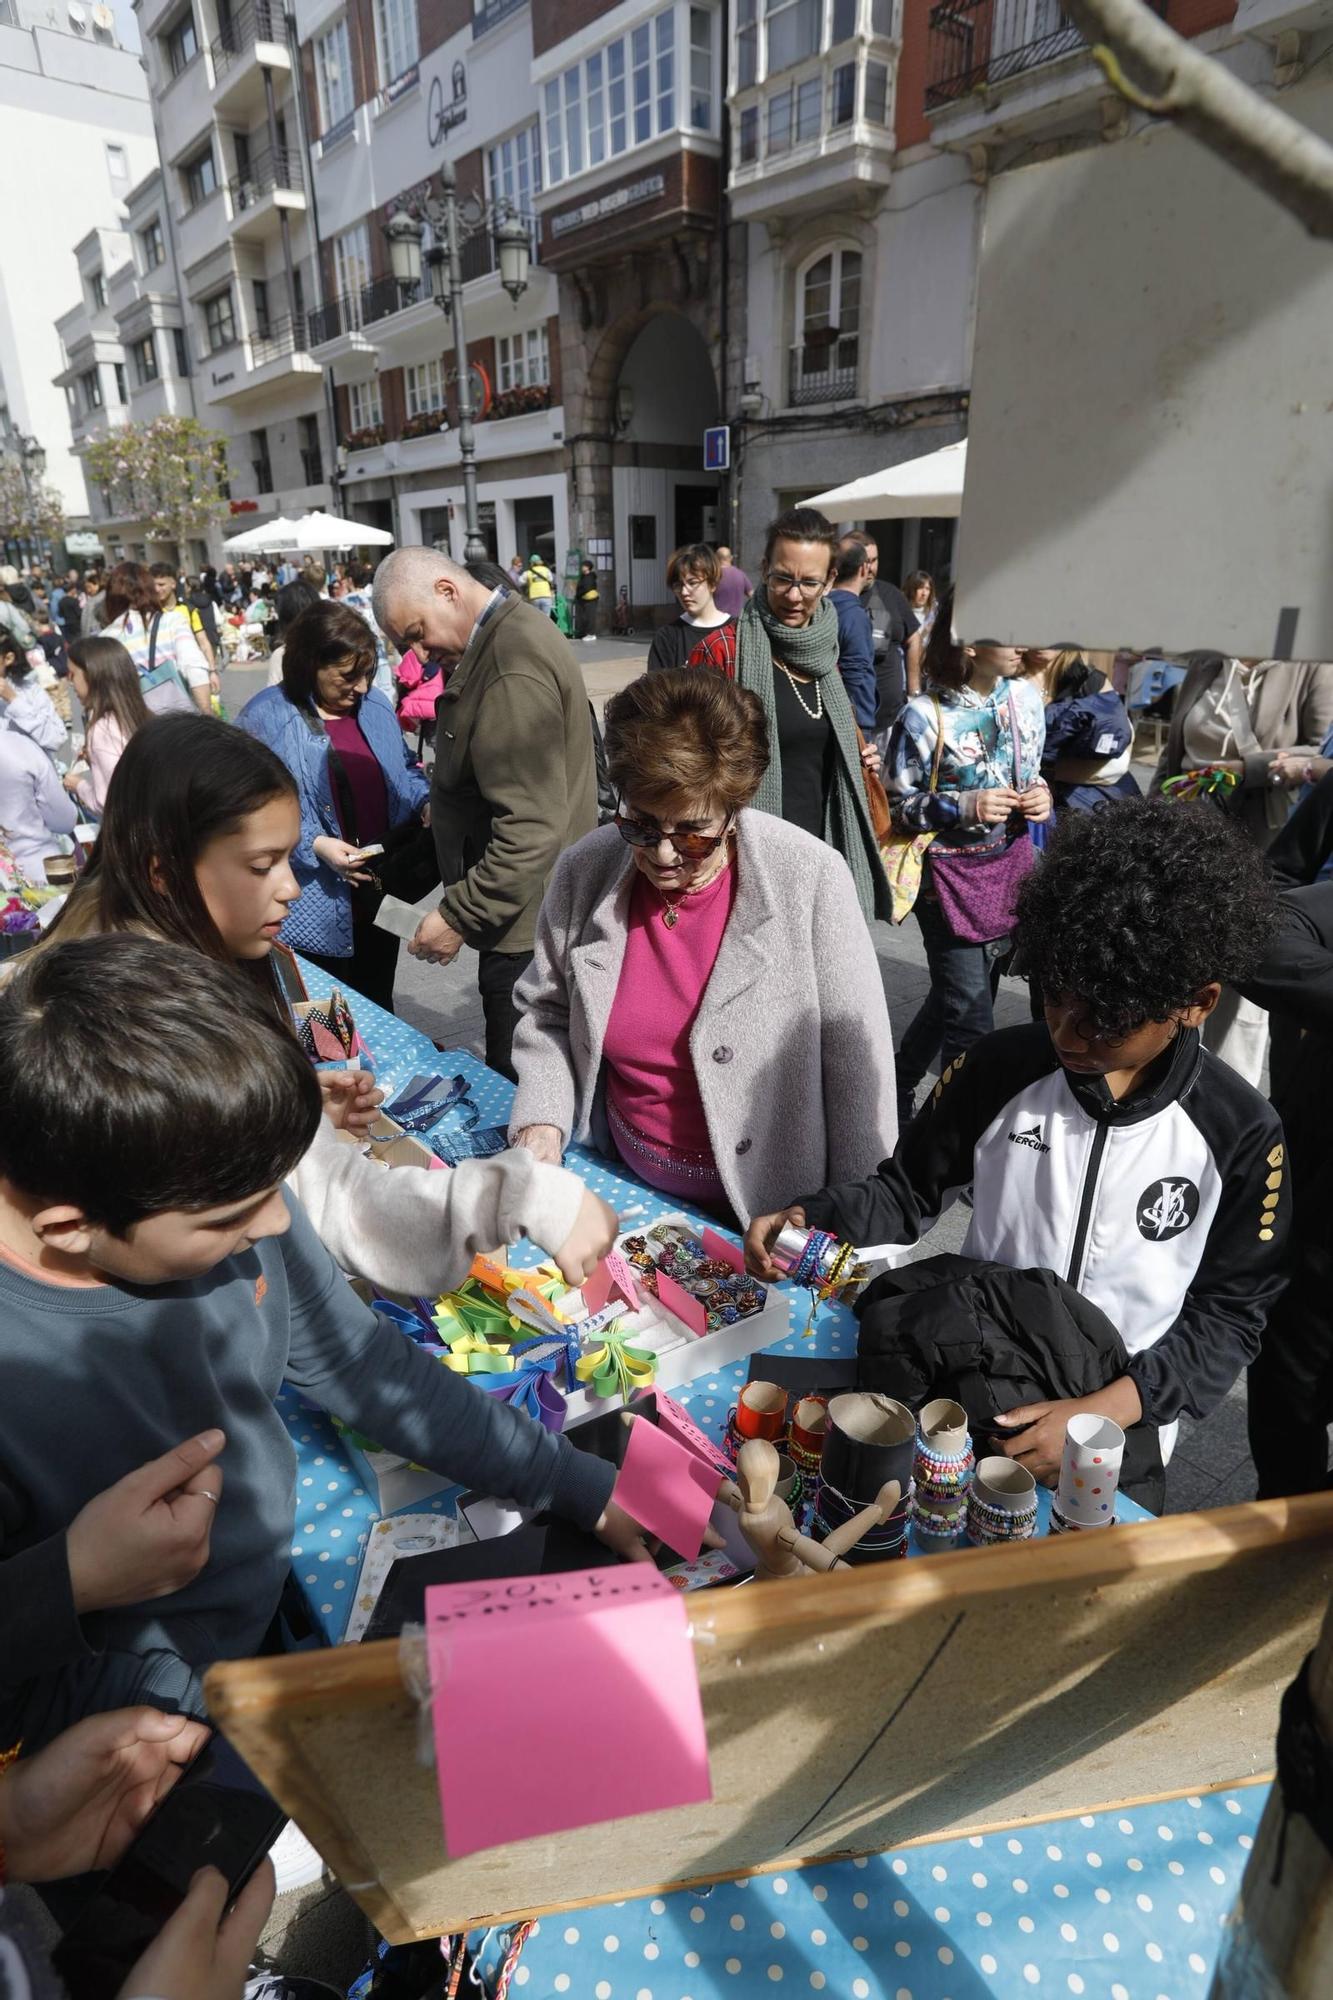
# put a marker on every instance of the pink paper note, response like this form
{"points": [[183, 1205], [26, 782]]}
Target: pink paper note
{"points": [[673, 1298], [666, 1489], [613, 1278], [678, 1424], [727, 1253], [512, 1769]]}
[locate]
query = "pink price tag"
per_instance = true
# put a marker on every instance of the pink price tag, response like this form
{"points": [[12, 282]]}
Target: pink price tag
{"points": [[673, 1298], [666, 1489], [613, 1279], [510, 1770], [679, 1425], [726, 1252]]}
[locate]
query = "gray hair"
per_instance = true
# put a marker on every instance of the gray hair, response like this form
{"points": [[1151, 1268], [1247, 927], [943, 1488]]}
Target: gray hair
{"points": [[412, 572]]}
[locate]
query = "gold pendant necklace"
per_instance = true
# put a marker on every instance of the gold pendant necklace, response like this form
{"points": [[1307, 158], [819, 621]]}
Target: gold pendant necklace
{"points": [[816, 714], [671, 914]]}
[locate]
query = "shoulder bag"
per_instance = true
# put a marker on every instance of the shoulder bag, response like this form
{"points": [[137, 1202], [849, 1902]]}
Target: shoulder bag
{"points": [[162, 688], [977, 887], [904, 854]]}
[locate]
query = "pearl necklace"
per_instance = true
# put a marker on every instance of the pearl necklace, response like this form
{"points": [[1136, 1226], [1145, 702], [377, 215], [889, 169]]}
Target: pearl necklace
{"points": [[816, 714]]}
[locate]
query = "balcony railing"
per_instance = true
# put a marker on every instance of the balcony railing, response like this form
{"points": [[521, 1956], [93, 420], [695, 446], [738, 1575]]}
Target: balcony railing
{"points": [[354, 310], [256, 21], [279, 337], [974, 42], [280, 168], [821, 373]]}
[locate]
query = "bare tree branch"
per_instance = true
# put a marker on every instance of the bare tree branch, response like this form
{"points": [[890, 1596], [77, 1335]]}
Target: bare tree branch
{"points": [[1170, 79]]}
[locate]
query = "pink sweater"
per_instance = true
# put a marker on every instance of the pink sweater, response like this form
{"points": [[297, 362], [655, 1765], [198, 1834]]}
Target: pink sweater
{"points": [[651, 1085], [102, 747]]}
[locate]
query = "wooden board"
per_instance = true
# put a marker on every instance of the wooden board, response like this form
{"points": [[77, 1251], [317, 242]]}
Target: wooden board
{"points": [[845, 1714]]}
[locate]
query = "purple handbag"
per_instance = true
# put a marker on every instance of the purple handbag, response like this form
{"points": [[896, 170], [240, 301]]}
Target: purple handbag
{"points": [[977, 887]]}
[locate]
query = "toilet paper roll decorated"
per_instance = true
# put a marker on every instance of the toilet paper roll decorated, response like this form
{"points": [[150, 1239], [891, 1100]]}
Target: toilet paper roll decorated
{"points": [[1090, 1471], [809, 1429], [870, 1440], [942, 1473], [1002, 1503]]}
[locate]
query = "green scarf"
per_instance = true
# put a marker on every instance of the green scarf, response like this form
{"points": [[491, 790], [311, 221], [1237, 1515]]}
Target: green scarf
{"points": [[813, 649]]}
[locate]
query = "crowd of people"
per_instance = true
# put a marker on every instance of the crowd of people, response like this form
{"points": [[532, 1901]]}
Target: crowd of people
{"points": [[674, 916]]}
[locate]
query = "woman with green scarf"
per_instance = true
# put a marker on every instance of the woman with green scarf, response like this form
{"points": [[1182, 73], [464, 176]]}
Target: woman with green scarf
{"points": [[784, 648]]}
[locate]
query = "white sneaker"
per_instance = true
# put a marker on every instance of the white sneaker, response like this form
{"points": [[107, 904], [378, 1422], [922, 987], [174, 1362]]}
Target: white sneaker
{"points": [[295, 1862], [588, 639]]}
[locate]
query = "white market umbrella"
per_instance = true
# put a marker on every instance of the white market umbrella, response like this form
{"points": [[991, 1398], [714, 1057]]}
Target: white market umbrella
{"points": [[326, 531], [255, 540], [931, 486]]}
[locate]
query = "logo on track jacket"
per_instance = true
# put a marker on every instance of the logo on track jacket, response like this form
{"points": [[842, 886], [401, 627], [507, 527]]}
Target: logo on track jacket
{"points": [[1167, 1210]]}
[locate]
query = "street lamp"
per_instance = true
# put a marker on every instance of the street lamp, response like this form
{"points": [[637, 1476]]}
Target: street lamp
{"points": [[453, 223]]}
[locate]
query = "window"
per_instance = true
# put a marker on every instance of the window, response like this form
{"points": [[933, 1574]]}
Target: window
{"points": [[747, 43], [260, 462], [182, 352], [151, 243], [793, 31], [97, 290], [117, 164], [779, 122], [844, 21], [364, 402], [829, 317], [701, 69], [200, 177], [219, 321], [182, 44], [842, 95], [424, 385], [144, 355], [91, 385], [396, 38], [666, 71], [312, 458], [877, 94], [263, 323], [333, 76], [881, 17], [351, 270], [749, 134], [122, 392], [514, 168], [625, 95], [523, 360], [808, 96]]}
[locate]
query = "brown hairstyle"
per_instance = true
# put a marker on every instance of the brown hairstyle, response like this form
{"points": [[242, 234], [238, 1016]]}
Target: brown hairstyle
{"points": [[945, 664], [694, 559], [114, 689], [130, 588], [915, 577], [324, 636], [686, 734], [801, 524]]}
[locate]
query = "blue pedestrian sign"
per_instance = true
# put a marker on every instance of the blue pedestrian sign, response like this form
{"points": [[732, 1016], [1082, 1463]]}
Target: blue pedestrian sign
{"points": [[717, 448]]}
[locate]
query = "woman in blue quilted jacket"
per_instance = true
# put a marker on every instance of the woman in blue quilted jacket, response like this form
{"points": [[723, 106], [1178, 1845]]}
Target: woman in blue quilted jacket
{"points": [[357, 784]]}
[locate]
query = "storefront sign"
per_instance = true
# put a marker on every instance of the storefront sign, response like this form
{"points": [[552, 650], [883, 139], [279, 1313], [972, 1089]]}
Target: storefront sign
{"points": [[443, 117], [648, 189]]}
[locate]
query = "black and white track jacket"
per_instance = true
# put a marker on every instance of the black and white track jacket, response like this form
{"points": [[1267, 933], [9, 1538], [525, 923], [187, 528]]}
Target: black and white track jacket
{"points": [[1167, 1210]]}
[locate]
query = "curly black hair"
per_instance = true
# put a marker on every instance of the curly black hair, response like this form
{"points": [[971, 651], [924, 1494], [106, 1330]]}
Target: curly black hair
{"points": [[1136, 907]]}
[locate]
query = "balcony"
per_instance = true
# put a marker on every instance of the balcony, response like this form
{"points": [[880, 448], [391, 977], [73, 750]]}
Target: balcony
{"points": [[275, 356], [991, 61], [251, 40], [807, 139], [274, 183], [404, 315], [823, 372]]}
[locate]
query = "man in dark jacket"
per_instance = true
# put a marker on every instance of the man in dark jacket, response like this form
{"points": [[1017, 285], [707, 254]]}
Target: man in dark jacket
{"points": [[896, 639], [515, 781], [856, 637]]}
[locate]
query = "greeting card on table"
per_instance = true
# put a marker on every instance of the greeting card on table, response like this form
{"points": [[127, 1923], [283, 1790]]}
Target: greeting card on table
{"points": [[665, 1488], [619, 1640]]}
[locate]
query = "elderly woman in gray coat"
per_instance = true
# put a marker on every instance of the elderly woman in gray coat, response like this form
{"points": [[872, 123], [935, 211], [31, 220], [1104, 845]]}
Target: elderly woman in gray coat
{"points": [[704, 1004]]}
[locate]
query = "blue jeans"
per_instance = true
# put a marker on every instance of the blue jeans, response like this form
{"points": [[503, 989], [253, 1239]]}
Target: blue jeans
{"points": [[959, 1008]]}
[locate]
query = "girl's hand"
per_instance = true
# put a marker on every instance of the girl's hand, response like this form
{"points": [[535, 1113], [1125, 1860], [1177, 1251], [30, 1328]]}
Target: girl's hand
{"points": [[995, 806], [1036, 802], [351, 1099], [340, 856], [870, 757], [72, 780]]}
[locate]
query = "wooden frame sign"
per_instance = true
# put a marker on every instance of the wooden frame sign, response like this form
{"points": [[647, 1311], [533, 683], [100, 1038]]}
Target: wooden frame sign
{"points": [[844, 1714]]}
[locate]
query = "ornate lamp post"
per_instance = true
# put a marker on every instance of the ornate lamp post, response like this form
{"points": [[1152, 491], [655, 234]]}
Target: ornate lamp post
{"points": [[453, 223]]}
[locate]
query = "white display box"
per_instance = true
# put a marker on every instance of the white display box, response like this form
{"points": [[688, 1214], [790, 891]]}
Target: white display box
{"points": [[682, 1356]]}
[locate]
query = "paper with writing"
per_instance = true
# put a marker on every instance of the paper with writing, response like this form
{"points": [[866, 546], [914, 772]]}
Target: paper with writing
{"points": [[666, 1489], [613, 1279], [678, 1424], [615, 1639]]}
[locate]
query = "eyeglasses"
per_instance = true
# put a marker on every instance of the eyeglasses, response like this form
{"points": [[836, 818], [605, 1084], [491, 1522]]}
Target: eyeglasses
{"points": [[779, 580], [689, 846]]}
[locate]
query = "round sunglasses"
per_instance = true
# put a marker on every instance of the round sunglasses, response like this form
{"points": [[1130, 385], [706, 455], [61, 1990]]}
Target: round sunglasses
{"points": [[689, 846]]}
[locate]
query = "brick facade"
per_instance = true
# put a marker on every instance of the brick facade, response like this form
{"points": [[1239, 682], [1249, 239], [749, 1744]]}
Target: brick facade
{"points": [[440, 20], [553, 21]]}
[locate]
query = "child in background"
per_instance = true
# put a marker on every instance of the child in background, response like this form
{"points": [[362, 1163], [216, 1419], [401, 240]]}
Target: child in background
{"points": [[1106, 1143], [158, 1285], [106, 681], [24, 703]]}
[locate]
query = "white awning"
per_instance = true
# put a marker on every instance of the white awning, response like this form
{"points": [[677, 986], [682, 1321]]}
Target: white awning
{"points": [[931, 486]]}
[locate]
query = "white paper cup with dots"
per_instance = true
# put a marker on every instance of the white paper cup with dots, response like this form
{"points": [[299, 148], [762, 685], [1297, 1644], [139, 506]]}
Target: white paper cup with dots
{"points": [[1090, 1471]]}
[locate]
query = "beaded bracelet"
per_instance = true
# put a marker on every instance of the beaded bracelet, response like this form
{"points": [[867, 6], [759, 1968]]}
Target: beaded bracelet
{"points": [[986, 1523]]}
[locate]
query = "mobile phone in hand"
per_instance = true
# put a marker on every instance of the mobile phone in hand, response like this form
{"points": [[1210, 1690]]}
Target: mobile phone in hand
{"points": [[216, 1815]]}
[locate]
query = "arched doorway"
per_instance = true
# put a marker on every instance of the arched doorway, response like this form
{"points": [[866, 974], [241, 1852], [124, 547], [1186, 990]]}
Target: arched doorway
{"points": [[664, 398]]}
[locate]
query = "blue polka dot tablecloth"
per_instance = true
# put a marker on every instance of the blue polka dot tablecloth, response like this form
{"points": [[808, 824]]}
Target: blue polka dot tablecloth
{"points": [[1114, 1906]]}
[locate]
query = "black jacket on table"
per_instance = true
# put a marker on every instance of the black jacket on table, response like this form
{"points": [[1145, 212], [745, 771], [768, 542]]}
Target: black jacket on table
{"points": [[1167, 1209]]}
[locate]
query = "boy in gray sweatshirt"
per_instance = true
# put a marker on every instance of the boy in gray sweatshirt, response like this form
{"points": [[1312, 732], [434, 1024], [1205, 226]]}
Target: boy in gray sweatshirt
{"points": [[157, 1287]]}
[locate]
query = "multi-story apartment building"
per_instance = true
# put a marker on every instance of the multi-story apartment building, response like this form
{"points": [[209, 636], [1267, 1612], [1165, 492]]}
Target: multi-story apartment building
{"points": [[233, 214], [391, 88], [78, 133]]}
